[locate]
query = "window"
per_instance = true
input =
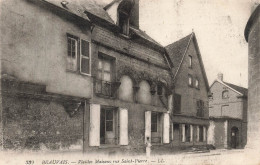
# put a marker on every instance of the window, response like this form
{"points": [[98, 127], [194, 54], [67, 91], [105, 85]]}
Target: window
{"points": [[159, 90], [225, 110], [109, 120], [78, 57], [190, 80], [197, 83], [154, 121], [190, 61], [177, 104], [225, 94], [200, 133], [187, 133], [200, 108], [109, 125], [104, 76], [72, 53], [124, 23], [85, 57]]}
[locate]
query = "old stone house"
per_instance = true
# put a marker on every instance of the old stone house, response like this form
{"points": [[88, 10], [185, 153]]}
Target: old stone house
{"points": [[228, 115], [252, 33], [190, 117], [80, 76]]}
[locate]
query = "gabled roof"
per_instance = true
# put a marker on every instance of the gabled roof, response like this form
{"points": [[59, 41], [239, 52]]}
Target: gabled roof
{"points": [[177, 52], [238, 89]]}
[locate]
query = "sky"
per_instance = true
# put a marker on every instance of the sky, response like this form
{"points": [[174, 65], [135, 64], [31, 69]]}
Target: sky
{"points": [[219, 27]]}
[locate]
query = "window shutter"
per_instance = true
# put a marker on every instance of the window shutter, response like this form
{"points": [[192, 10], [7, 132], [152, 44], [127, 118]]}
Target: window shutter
{"points": [[85, 57], [183, 133], [94, 130], [198, 134], [204, 133], [123, 126], [177, 103], [147, 125], [166, 128], [191, 133]]}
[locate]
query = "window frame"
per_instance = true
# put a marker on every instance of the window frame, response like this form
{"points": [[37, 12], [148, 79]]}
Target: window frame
{"points": [[197, 80], [157, 121], [77, 45], [190, 77], [190, 61], [78, 54], [225, 91]]}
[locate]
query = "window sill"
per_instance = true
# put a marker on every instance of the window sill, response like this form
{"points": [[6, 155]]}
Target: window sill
{"points": [[157, 144], [78, 73], [104, 96], [103, 146]]}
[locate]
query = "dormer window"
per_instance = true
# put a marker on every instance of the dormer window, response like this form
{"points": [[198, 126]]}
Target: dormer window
{"points": [[124, 11], [124, 23]]}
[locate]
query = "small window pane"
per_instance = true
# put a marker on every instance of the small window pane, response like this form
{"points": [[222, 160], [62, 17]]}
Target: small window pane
{"points": [[154, 127], [107, 76], [190, 80], [107, 66], [190, 61], [85, 48], [100, 65], [109, 114], [85, 65], [109, 125]]}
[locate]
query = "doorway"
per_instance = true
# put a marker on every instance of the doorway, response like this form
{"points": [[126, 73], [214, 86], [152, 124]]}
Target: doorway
{"points": [[108, 126], [234, 137]]}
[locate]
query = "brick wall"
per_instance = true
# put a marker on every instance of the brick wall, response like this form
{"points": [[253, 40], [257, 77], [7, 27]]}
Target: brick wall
{"points": [[189, 95], [235, 106]]}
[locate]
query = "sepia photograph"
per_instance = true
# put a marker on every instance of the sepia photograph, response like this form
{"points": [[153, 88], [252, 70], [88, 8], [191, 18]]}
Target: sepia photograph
{"points": [[133, 82]]}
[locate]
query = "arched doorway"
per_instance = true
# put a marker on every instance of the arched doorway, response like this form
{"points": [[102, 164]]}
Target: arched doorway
{"points": [[234, 137]]}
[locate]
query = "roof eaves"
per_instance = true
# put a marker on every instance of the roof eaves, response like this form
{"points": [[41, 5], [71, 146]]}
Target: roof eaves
{"points": [[183, 57], [221, 82]]}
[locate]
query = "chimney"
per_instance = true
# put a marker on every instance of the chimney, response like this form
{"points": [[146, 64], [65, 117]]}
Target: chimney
{"points": [[220, 76], [134, 17]]}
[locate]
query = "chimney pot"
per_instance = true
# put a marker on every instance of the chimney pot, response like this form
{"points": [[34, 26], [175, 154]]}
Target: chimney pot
{"points": [[220, 76]]}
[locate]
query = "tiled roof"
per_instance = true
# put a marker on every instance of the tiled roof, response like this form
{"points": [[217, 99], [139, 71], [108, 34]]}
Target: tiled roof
{"points": [[79, 7], [242, 90], [95, 10], [142, 34], [177, 49]]}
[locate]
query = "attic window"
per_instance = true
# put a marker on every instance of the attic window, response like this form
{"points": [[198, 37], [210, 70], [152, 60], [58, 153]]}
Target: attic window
{"points": [[124, 23], [124, 10], [190, 61]]}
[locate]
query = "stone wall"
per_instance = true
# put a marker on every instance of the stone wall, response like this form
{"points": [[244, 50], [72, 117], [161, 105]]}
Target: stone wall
{"points": [[35, 120]]}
